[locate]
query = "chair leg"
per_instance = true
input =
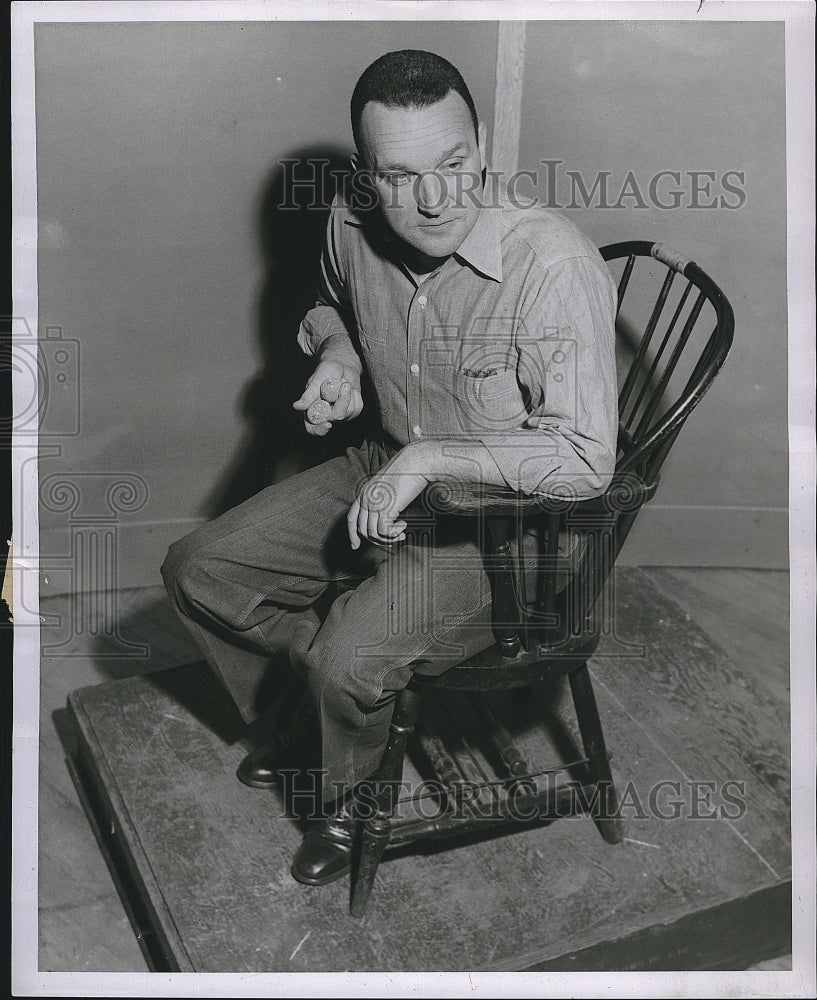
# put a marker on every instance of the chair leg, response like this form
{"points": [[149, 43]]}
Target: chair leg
{"points": [[377, 829], [605, 798]]}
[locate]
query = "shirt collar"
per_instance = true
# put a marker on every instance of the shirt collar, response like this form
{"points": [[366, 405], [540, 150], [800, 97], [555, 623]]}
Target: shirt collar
{"points": [[481, 248]]}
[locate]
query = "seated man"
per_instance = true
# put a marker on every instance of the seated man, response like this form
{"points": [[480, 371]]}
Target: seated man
{"points": [[487, 332]]}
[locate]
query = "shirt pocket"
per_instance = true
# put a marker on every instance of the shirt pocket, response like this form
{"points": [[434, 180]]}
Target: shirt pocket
{"points": [[374, 346], [490, 403]]}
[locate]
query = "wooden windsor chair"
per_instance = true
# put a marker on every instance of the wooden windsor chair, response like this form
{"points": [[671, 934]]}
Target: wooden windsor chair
{"points": [[554, 630]]}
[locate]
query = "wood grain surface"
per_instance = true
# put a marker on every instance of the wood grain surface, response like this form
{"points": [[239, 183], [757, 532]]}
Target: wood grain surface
{"points": [[510, 70], [213, 856]]}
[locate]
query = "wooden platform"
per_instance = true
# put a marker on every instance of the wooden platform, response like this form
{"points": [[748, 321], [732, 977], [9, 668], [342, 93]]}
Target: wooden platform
{"points": [[701, 882]]}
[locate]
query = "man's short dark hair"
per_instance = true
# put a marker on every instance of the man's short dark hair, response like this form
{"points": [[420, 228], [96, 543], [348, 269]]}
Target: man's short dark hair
{"points": [[408, 78]]}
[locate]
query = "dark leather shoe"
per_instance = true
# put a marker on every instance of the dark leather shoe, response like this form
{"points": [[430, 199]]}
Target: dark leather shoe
{"points": [[258, 769], [325, 853]]}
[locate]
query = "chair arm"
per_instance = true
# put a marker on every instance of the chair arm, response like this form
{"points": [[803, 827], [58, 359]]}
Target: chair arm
{"points": [[627, 491]]}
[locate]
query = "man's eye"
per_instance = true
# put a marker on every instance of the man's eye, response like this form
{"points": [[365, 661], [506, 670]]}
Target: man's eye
{"points": [[397, 179], [454, 165]]}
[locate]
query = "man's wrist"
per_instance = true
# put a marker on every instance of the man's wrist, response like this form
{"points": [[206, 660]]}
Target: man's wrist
{"points": [[425, 458], [338, 348]]}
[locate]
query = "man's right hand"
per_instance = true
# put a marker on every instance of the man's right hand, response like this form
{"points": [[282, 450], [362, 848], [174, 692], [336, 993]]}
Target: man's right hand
{"points": [[339, 386]]}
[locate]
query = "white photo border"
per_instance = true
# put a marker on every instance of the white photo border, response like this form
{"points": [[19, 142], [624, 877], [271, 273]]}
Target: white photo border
{"points": [[798, 16]]}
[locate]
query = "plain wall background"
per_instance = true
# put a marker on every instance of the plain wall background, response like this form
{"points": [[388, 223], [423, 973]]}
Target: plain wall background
{"points": [[647, 97], [162, 252]]}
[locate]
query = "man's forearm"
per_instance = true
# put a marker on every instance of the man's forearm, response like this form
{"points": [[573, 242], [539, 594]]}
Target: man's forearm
{"points": [[457, 459], [375, 512]]}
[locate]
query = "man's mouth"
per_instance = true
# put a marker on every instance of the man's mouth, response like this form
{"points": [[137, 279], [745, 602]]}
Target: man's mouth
{"points": [[437, 225]]}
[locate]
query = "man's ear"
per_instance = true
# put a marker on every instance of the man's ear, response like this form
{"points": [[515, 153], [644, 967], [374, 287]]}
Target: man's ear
{"points": [[482, 143]]}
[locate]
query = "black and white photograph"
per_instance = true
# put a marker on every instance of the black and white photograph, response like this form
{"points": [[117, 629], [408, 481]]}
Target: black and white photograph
{"points": [[411, 559]]}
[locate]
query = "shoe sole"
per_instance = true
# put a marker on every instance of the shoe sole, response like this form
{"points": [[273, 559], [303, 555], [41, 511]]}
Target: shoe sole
{"points": [[306, 880], [255, 782]]}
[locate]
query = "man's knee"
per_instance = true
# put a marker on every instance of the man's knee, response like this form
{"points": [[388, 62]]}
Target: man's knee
{"points": [[184, 570]]}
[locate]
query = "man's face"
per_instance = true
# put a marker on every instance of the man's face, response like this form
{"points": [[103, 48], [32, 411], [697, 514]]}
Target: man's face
{"points": [[426, 165]]}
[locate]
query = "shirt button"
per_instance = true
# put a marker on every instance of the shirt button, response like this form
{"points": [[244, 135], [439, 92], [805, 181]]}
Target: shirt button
{"points": [[415, 369], [417, 431], [422, 300]]}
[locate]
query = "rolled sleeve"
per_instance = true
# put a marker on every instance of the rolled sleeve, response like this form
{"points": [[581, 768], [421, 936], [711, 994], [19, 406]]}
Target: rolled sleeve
{"points": [[332, 314], [320, 323], [566, 352]]}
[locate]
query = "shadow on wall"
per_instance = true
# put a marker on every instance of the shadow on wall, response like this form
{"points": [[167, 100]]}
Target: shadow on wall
{"points": [[275, 444]]}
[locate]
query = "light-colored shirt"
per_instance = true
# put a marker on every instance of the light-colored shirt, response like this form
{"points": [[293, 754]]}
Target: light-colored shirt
{"points": [[510, 342]]}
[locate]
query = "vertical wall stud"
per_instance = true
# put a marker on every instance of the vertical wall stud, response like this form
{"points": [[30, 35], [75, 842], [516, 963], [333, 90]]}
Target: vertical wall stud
{"points": [[510, 69]]}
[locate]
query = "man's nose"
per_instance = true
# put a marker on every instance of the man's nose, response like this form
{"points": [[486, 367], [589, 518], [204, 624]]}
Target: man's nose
{"points": [[432, 193]]}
